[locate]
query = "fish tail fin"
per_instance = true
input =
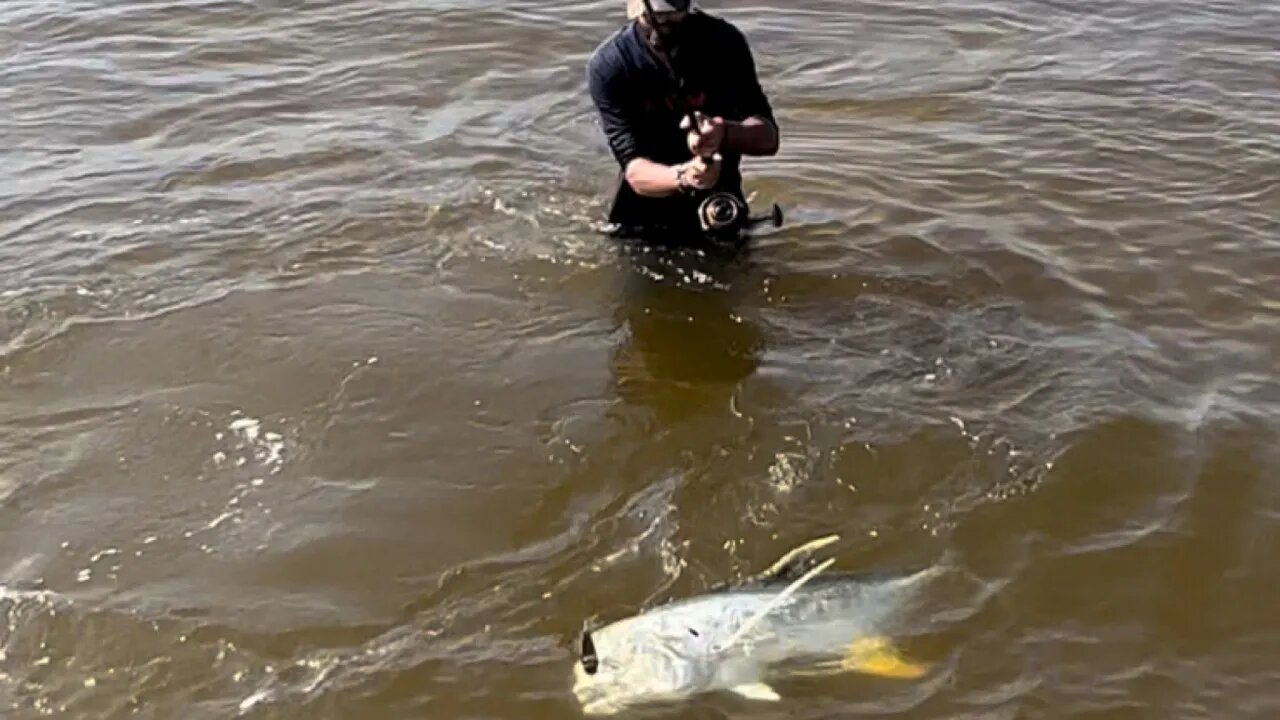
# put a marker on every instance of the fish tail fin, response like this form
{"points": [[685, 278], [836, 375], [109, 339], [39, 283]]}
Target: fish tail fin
{"points": [[878, 656]]}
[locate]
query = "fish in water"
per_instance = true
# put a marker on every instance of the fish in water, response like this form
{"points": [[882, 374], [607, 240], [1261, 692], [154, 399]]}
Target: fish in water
{"points": [[739, 637]]}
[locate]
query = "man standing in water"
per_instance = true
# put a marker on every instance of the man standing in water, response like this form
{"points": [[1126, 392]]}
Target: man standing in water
{"points": [[680, 103]]}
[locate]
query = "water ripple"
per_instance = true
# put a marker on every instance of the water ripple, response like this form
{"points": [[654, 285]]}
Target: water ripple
{"points": [[322, 394]]}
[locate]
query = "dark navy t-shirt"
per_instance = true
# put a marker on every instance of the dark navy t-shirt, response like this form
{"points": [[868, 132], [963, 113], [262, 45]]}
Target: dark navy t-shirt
{"points": [[640, 111]]}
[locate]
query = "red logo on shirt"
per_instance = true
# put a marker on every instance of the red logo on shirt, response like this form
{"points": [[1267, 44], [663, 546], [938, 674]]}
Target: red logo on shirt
{"points": [[694, 102]]}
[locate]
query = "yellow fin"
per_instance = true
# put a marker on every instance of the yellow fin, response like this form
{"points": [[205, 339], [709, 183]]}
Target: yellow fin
{"points": [[878, 656]]}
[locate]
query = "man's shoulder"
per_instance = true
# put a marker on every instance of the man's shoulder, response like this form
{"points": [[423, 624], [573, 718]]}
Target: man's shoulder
{"points": [[720, 28], [610, 55]]}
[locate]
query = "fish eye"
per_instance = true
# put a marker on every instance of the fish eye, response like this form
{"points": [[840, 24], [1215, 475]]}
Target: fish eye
{"points": [[590, 662]]}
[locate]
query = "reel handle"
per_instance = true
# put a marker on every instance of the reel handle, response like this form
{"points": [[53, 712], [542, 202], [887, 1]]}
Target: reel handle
{"points": [[774, 216], [721, 211]]}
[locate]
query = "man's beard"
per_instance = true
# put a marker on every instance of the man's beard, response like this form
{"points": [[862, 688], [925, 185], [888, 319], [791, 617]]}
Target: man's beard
{"points": [[673, 41]]}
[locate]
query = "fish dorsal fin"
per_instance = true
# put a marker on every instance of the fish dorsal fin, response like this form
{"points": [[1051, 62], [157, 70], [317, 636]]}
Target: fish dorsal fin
{"points": [[778, 600], [795, 563], [795, 568]]}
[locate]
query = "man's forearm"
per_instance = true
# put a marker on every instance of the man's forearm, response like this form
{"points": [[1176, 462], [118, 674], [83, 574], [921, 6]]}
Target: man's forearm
{"points": [[652, 179], [753, 136]]}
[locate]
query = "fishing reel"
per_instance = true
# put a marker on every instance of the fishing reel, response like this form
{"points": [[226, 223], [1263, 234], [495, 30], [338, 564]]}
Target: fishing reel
{"points": [[722, 212]]}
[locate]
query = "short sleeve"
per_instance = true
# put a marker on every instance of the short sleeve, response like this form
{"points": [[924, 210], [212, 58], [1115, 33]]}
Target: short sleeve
{"points": [[604, 81], [749, 97]]}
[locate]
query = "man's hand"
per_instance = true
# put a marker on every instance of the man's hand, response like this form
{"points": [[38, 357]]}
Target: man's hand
{"points": [[651, 179], [706, 138], [701, 174]]}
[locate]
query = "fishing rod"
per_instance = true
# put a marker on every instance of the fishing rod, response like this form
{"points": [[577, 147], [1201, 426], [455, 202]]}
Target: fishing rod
{"points": [[719, 212]]}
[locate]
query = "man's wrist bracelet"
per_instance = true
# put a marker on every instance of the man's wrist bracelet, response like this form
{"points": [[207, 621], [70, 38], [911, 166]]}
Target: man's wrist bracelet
{"points": [[681, 184]]}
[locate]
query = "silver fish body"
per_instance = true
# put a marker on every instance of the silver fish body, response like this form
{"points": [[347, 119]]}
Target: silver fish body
{"points": [[736, 639]]}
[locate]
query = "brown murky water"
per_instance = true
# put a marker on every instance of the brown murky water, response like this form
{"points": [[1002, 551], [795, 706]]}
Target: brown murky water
{"points": [[323, 398]]}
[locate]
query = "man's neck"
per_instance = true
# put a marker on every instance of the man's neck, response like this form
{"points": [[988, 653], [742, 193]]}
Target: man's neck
{"points": [[653, 42]]}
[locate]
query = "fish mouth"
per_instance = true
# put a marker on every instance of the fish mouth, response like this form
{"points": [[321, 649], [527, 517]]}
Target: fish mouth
{"points": [[595, 704], [596, 700], [590, 699]]}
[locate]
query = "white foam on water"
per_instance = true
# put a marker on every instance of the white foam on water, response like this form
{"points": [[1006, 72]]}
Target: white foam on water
{"points": [[266, 447], [784, 475], [247, 428], [103, 553], [226, 515], [311, 674], [255, 452], [44, 597], [254, 700]]}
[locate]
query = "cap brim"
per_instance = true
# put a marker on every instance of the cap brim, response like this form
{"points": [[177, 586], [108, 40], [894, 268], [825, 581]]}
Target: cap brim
{"points": [[635, 8]]}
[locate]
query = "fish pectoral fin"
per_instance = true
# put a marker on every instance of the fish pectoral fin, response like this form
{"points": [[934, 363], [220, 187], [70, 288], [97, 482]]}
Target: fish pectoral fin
{"points": [[818, 669], [877, 656], [757, 691]]}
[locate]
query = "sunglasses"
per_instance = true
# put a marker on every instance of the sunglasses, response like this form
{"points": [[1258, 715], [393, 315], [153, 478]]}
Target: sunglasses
{"points": [[668, 6]]}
